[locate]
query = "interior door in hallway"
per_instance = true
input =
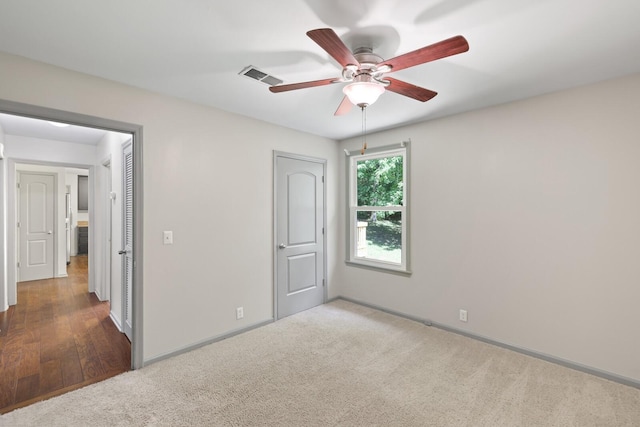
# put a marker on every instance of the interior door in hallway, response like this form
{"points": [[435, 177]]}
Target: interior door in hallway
{"points": [[127, 238], [36, 226], [299, 202]]}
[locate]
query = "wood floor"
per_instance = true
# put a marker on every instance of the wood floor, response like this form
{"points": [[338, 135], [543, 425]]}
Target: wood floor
{"points": [[56, 339]]}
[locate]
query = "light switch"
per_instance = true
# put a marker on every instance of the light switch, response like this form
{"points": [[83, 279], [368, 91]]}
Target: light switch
{"points": [[167, 237]]}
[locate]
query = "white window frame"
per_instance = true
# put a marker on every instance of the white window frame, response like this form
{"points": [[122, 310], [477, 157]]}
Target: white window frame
{"points": [[352, 196]]}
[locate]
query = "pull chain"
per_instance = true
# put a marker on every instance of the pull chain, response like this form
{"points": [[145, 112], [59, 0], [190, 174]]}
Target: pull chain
{"points": [[364, 129]]}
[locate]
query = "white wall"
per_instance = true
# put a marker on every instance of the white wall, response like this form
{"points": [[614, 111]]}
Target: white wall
{"points": [[50, 151], [208, 178], [528, 216], [4, 298]]}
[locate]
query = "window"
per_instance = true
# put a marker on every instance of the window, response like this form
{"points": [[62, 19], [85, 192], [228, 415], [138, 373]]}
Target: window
{"points": [[378, 215], [83, 193]]}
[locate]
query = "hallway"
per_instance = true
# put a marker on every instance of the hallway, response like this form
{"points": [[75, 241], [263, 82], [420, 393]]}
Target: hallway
{"points": [[56, 339]]}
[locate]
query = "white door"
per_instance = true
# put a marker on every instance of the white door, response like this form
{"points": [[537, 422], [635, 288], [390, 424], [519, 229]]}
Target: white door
{"points": [[127, 236], [299, 194], [36, 226]]}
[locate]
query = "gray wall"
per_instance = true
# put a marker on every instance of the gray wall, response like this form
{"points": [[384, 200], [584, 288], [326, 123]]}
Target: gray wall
{"points": [[528, 216], [525, 214], [208, 178]]}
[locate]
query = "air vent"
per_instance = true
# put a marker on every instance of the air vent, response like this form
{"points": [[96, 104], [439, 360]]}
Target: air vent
{"points": [[255, 74]]}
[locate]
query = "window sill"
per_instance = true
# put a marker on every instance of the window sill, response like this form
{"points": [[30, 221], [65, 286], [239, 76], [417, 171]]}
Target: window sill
{"points": [[367, 266]]}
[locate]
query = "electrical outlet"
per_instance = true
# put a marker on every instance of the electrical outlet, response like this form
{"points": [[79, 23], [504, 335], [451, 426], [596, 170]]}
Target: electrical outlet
{"points": [[239, 313], [463, 315], [167, 237]]}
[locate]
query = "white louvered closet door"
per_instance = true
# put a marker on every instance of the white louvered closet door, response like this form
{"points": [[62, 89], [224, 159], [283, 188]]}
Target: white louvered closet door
{"points": [[127, 236]]}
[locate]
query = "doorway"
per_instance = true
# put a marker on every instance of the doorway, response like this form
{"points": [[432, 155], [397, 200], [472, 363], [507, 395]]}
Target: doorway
{"points": [[59, 335], [36, 206], [96, 264], [299, 218]]}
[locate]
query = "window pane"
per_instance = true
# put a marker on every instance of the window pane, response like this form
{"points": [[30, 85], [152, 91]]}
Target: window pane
{"points": [[379, 235], [380, 182]]}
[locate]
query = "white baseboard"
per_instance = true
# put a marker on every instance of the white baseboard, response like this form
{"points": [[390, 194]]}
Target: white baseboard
{"points": [[116, 321]]}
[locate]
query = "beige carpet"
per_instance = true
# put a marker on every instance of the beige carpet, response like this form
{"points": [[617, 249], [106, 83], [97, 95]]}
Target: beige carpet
{"points": [[344, 365]]}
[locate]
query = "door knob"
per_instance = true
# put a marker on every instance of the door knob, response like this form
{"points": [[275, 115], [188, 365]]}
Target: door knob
{"points": [[49, 232], [282, 246], [122, 252]]}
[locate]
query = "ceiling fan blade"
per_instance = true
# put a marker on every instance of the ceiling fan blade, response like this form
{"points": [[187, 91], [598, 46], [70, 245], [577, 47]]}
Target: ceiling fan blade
{"points": [[329, 41], [303, 85], [442, 49], [412, 91], [344, 107]]}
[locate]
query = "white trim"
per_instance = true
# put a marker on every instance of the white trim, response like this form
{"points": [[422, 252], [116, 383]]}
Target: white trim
{"points": [[353, 209], [116, 321]]}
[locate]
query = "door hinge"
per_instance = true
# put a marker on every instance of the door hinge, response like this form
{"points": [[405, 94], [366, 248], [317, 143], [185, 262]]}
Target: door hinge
{"points": [[323, 179], [18, 224], [18, 185], [18, 264], [323, 283], [322, 230]]}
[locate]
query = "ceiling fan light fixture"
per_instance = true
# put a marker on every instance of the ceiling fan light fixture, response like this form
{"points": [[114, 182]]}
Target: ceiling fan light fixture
{"points": [[363, 93]]}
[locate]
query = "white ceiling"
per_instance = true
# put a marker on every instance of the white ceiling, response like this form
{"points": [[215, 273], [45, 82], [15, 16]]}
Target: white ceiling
{"points": [[195, 49], [35, 128]]}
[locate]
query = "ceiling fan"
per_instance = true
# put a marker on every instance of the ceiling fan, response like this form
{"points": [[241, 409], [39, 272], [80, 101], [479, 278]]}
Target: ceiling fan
{"points": [[366, 71]]}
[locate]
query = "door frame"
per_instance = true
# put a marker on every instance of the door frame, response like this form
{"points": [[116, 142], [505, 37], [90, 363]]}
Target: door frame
{"points": [[13, 238], [19, 213], [274, 243], [50, 114]]}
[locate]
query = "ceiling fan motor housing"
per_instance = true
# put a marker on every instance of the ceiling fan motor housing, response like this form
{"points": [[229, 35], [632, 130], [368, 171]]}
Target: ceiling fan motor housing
{"points": [[366, 70]]}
